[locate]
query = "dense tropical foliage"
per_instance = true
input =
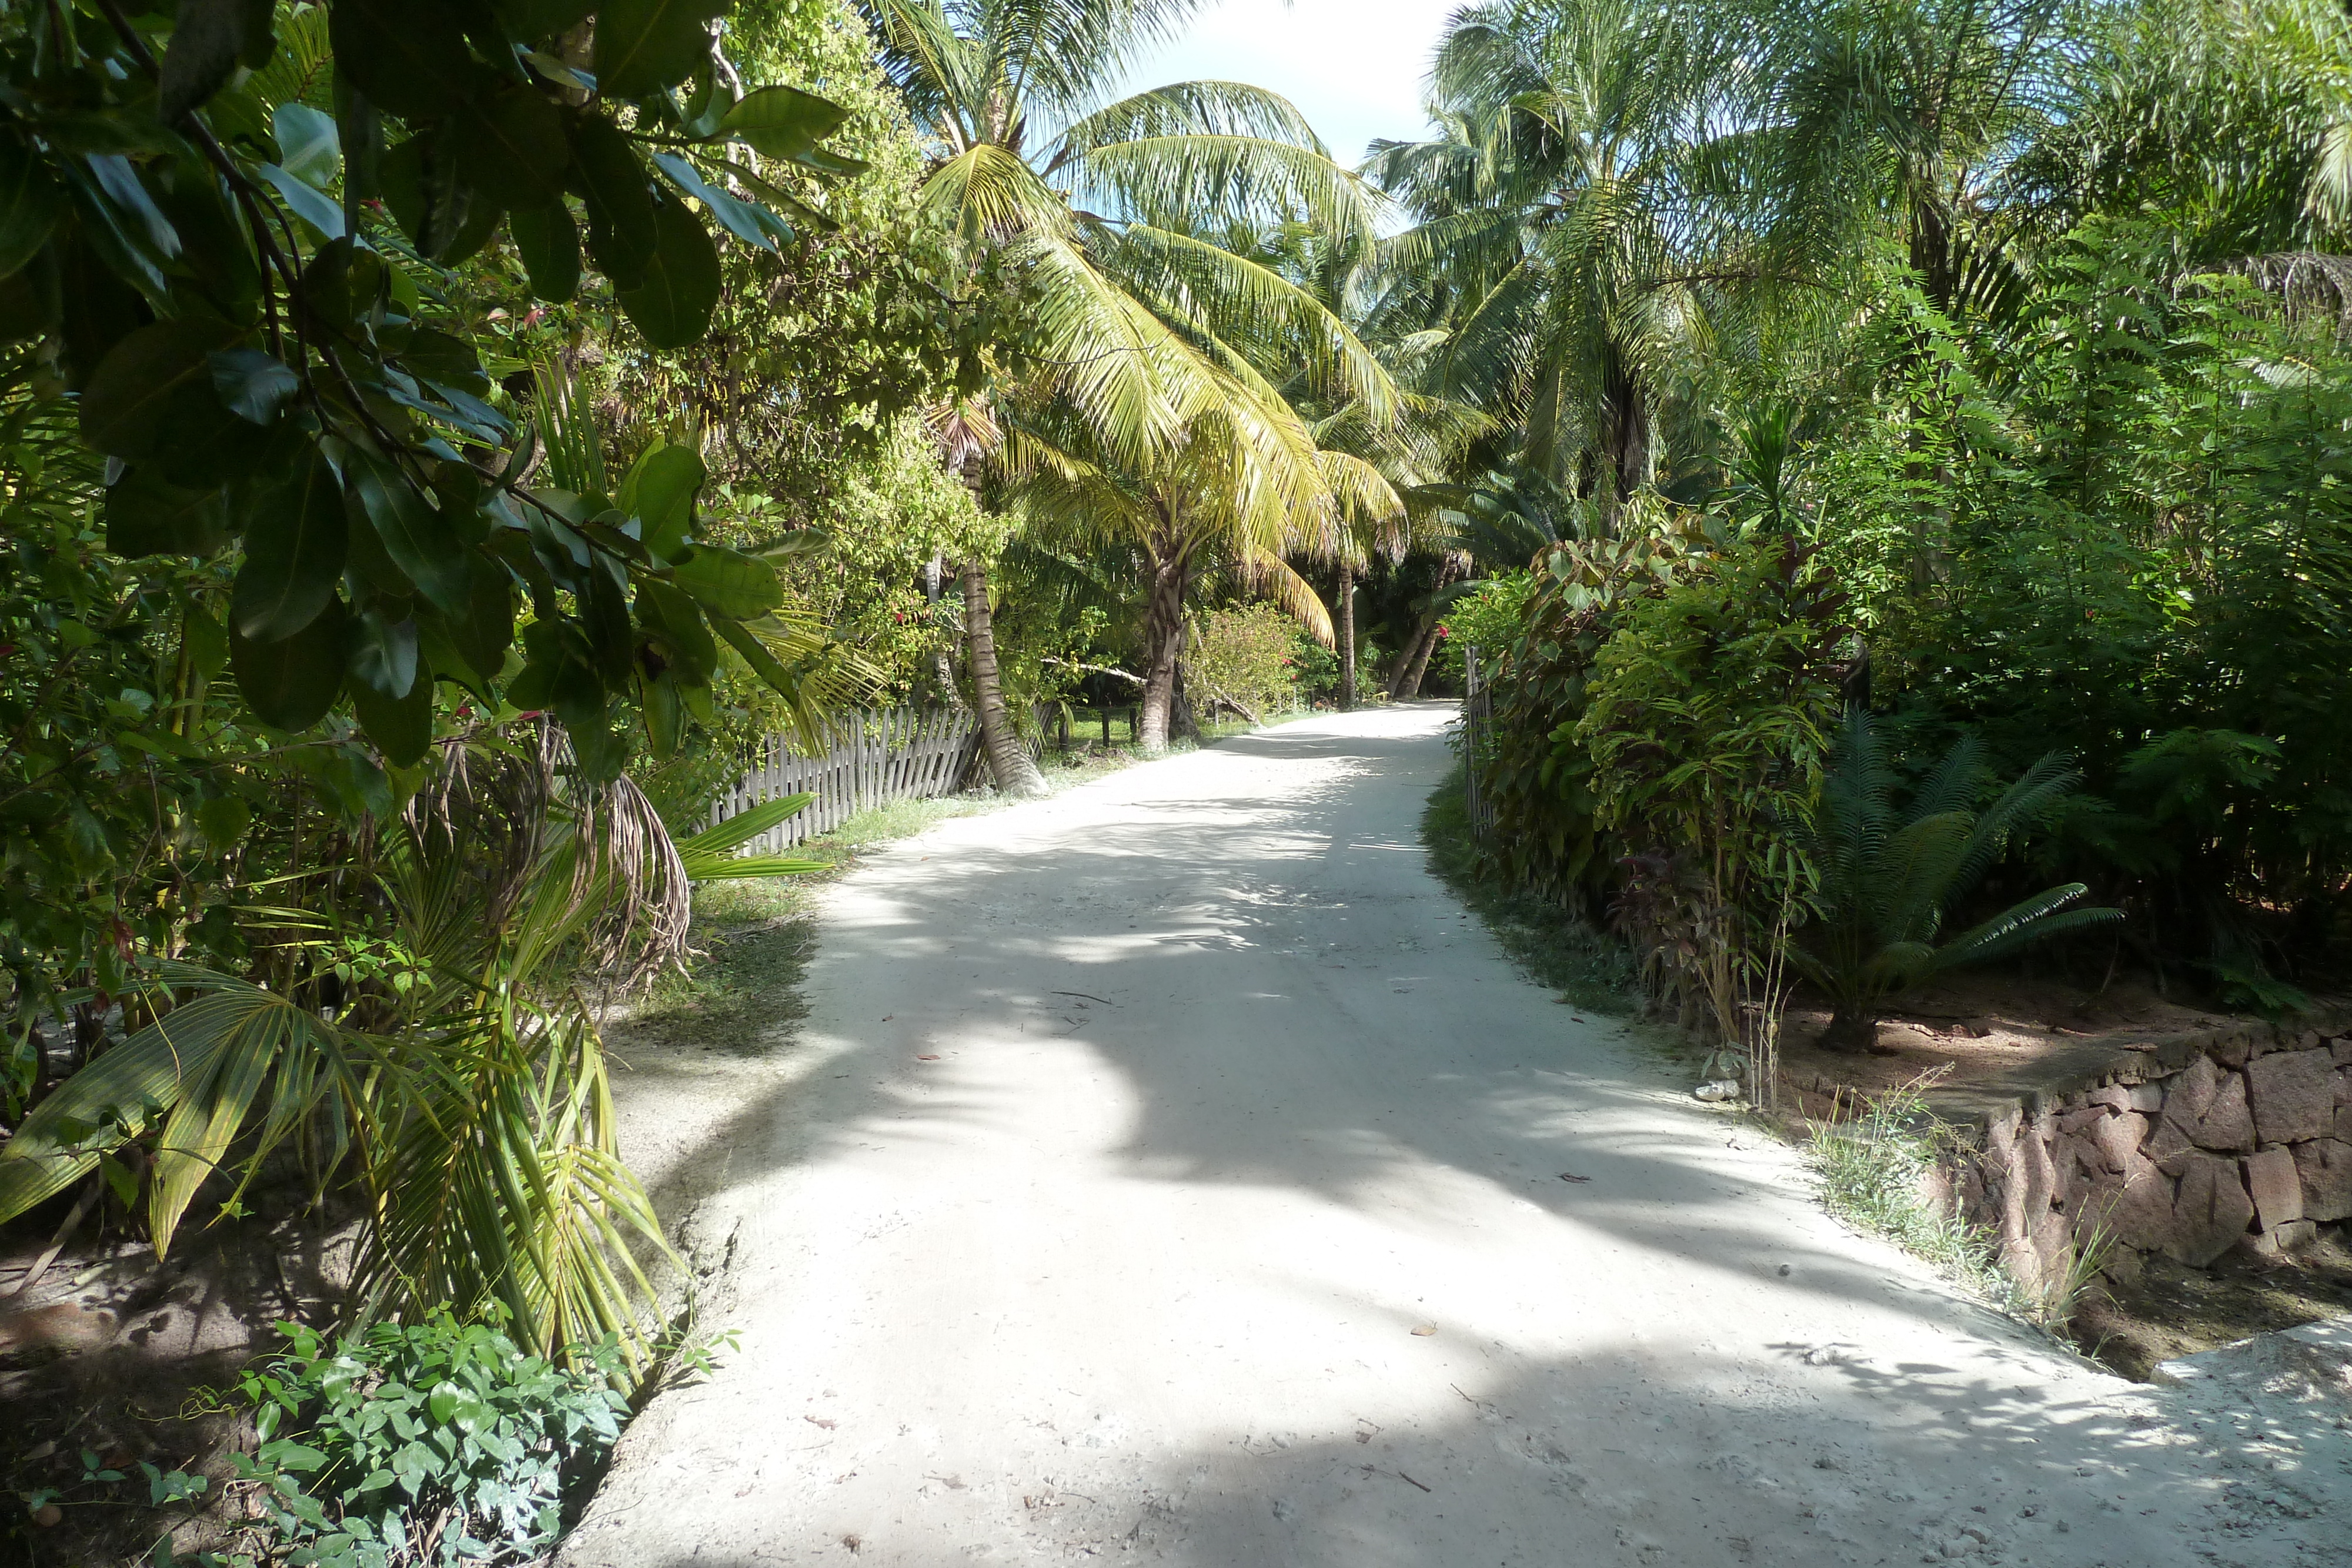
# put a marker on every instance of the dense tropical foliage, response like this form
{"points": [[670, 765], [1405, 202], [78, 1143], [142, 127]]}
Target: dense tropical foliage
{"points": [[439, 438]]}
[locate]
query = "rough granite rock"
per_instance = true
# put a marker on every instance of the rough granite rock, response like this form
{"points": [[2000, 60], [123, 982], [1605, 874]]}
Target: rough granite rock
{"points": [[2116, 1137], [2275, 1187], [2191, 1092], [2135, 1208], [2231, 1048], [2325, 1166], [2170, 1145], [2037, 1181], [2210, 1212], [2073, 1122], [2293, 1094], [2344, 1123], [2343, 1085], [2228, 1123]]}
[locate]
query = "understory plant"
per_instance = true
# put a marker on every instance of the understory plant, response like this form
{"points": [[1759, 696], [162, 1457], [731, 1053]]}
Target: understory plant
{"points": [[458, 1087], [1888, 876], [431, 1442], [1706, 725]]}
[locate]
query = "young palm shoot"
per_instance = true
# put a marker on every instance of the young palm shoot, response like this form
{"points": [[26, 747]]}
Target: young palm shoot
{"points": [[1889, 877]]}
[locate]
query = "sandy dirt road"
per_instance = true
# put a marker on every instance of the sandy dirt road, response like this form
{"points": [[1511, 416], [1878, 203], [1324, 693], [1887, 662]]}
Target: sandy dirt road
{"points": [[1172, 1172]]}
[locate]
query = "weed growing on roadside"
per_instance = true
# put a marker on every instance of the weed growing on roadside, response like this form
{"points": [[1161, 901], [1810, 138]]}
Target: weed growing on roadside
{"points": [[1875, 1168], [432, 1442]]}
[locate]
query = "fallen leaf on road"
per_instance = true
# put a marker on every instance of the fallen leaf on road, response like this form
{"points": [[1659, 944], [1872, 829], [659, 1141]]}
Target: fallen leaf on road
{"points": [[932, 1057], [1571, 1176], [953, 1483], [821, 1421], [887, 1016], [853, 1542], [1425, 1330]]}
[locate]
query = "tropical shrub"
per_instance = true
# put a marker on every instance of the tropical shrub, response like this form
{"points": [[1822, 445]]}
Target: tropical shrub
{"points": [[1243, 655], [425, 1442], [1887, 878], [2119, 524], [1705, 724], [1544, 836]]}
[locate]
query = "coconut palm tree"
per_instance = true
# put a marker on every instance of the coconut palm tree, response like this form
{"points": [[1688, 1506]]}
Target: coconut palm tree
{"points": [[1141, 339], [1569, 220]]}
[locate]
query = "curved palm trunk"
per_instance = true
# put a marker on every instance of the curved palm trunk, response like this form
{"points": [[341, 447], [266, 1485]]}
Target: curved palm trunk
{"points": [[1347, 637], [1163, 641], [1007, 763], [1408, 681]]}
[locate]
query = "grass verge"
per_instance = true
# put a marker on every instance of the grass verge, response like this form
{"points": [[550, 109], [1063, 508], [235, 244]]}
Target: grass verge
{"points": [[1877, 1172], [1588, 968]]}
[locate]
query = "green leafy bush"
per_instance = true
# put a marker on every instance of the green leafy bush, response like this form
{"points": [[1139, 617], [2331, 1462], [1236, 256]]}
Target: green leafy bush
{"points": [[1887, 878], [1706, 725], [431, 1442], [1243, 655], [2118, 523]]}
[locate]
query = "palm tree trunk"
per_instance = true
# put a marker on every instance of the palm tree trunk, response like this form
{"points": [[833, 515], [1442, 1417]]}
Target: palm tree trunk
{"points": [[1852, 1031], [1347, 637], [1163, 639], [943, 667], [1007, 763], [1408, 681]]}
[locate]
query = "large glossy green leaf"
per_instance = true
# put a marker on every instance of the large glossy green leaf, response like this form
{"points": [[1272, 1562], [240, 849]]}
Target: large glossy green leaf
{"points": [[409, 56], [783, 121], [29, 204], [747, 220], [295, 541], [309, 146], [305, 202], [417, 537], [147, 516], [402, 726], [734, 586], [292, 684], [251, 384], [671, 309], [679, 623], [658, 491], [510, 144], [549, 242], [612, 183], [643, 45], [209, 39], [125, 405], [532, 20]]}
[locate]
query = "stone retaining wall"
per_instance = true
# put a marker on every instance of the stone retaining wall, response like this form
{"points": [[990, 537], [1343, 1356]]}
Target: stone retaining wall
{"points": [[2238, 1136]]}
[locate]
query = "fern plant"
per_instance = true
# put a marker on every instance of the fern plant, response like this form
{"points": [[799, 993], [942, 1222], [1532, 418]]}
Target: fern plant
{"points": [[1888, 876]]}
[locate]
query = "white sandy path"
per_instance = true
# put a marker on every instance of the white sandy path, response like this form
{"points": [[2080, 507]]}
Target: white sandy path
{"points": [[1230, 1098]]}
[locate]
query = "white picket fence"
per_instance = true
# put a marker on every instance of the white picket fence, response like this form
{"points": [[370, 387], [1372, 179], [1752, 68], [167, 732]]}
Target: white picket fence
{"points": [[891, 754]]}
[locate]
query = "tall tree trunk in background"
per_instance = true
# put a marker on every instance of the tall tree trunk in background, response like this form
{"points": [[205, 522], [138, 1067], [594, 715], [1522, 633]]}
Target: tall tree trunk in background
{"points": [[1408, 681], [1163, 641], [1007, 763], [1347, 637], [943, 665], [1624, 435], [1412, 662]]}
